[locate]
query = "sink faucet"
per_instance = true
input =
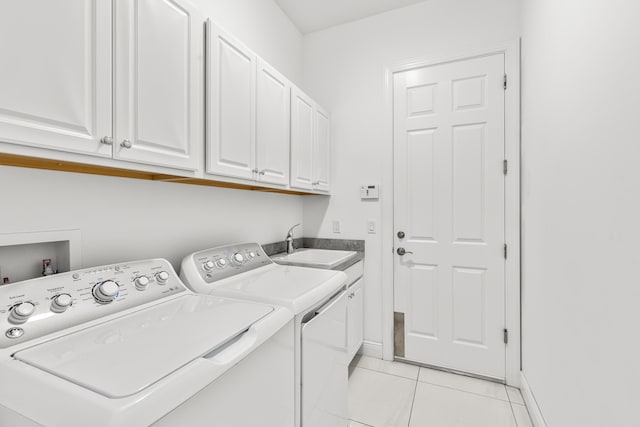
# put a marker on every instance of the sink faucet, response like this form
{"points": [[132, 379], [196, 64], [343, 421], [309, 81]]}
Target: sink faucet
{"points": [[289, 240]]}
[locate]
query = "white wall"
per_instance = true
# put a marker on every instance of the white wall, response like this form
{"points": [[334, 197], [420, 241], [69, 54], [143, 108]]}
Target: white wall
{"points": [[581, 210], [264, 28], [344, 70], [123, 219]]}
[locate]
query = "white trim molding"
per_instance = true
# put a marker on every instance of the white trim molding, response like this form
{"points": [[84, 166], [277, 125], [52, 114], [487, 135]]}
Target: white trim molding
{"points": [[511, 51], [530, 401], [371, 349]]}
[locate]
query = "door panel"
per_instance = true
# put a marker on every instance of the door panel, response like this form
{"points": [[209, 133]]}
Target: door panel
{"points": [[273, 124], [322, 151], [232, 99], [56, 81], [449, 202], [157, 89], [302, 130]]}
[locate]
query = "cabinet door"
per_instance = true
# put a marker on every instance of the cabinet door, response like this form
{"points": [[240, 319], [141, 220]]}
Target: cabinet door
{"points": [[55, 78], [231, 124], [158, 58], [273, 116], [355, 318], [302, 133], [322, 151]]}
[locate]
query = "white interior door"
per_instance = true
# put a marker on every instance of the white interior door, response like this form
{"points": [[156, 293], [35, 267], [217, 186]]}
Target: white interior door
{"points": [[158, 82], [55, 77], [449, 203]]}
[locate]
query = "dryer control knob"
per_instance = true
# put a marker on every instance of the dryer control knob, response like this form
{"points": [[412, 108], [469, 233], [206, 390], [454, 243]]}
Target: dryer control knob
{"points": [[141, 283], [60, 303], [208, 266], [221, 263], [237, 259], [162, 277], [21, 312], [252, 255], [105, 292]]}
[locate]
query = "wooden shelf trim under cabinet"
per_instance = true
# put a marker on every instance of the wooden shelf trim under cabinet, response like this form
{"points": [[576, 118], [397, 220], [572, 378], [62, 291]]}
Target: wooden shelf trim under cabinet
{"points": [[64, 166]]}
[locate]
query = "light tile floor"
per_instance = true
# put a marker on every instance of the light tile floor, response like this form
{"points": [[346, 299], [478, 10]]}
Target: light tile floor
{"points": [[394, 394]]}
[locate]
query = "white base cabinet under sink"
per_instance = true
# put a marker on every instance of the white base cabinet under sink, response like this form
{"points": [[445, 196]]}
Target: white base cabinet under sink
{"points": [[355, 318]]}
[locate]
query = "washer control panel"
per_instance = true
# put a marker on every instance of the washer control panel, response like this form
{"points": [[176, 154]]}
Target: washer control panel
{"points": [[42, 306], [226, 261]]}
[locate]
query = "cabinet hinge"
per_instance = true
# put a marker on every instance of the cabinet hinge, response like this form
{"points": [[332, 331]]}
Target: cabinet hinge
{"points": [[506, 336], [505, 166], [505, 251], [505, 82]]}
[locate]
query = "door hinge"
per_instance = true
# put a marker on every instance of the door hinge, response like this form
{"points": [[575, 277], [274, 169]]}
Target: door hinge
{"points": [[505, 166], [505, 251], [505, 82], [506, 336]]}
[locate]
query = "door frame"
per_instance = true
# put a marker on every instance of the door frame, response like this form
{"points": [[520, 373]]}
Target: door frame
{"points": [[511, 51]]}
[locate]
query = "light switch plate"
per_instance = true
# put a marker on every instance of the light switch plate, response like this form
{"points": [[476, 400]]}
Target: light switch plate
{"points": [[371, 226], [335, 225]]}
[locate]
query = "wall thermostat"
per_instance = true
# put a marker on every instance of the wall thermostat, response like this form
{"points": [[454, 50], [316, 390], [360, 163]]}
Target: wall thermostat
{"points": [[370, 191]]}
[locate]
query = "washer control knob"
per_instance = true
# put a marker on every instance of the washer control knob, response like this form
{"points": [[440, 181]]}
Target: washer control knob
{"points": [[141, 283], [60, 303], [105, 292], [221, 263], [208, 266], [252, 255], [21, 312], [237, 259], [162, 277]]}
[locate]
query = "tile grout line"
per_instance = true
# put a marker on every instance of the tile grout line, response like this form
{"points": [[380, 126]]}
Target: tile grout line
{"points": [[413, 401], [387, 373], [467, 391]]}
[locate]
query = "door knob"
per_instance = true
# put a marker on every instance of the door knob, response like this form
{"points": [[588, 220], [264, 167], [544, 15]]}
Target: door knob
{"points": [[401, 234], [402, 251], [126, 144], [106, 140]]}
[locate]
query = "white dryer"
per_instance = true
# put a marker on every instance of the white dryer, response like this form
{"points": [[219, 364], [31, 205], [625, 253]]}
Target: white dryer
{"points": [[319, 302], [129, 345]]}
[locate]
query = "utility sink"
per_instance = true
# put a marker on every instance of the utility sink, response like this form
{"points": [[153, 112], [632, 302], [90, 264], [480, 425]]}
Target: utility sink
{"points": [[317, 258]]}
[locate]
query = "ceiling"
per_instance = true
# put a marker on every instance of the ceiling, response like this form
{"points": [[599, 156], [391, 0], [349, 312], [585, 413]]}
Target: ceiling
{"points": [[314, 15]]}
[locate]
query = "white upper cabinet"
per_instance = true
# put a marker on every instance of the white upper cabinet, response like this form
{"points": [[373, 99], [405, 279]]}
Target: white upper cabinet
{"points": [[322, 150], [57, 91], [248, 121], [310, 144], [158, 89], [302, 113], [55, 78], [231, 129], [273, 117]]}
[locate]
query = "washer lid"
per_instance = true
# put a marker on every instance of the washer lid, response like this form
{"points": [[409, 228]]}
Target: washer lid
{"points": [[121, 357]]}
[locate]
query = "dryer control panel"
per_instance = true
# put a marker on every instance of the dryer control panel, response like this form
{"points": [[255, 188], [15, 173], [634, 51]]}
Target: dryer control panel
{"points": [[225, 261], [37, 307]]}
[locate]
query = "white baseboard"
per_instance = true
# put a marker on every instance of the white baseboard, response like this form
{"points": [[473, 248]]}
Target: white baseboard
{"points": [[532, 405], [371, 349]]}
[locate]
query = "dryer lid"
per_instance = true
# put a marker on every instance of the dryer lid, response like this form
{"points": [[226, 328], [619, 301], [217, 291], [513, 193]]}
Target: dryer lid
{"points": [[124, 356]]}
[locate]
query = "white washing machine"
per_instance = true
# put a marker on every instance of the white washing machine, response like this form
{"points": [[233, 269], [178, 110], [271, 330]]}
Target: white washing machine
{"points": [[129, 345], [319, 302]]}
